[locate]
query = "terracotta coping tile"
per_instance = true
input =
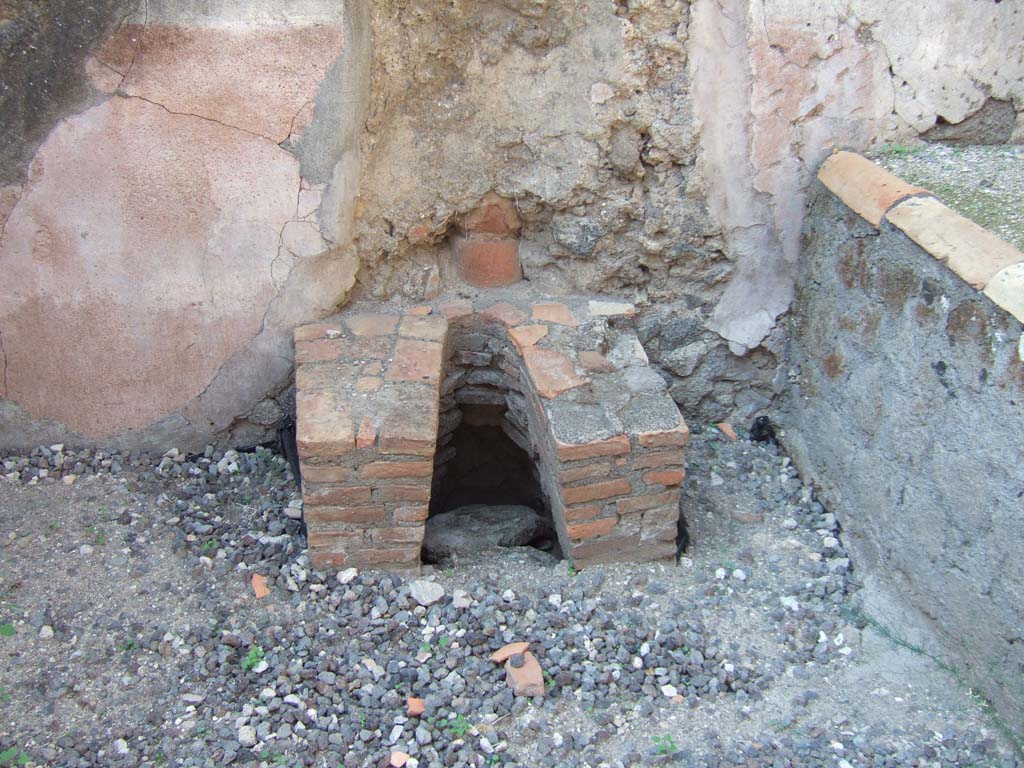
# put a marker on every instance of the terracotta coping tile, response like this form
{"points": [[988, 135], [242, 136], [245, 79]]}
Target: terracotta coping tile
{"points": [[864, 187]]}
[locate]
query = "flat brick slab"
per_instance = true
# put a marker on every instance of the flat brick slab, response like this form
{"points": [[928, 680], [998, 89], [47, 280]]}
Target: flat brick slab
{"points": [[377, 393]]}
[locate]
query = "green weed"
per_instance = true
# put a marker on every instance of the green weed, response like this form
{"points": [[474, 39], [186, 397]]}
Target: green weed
{"points": [[253, 658], [665, 744], [13, 756]]}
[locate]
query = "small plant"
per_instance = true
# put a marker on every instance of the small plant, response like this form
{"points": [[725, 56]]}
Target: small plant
{"points": [[129, 645], [4, 696], [572, 569], [13, 756], [210, 546], [444, 641], [424, 647], [253, 658], [6, 629], [54, 526], [99, 537], [665, 744], [458, 726]]}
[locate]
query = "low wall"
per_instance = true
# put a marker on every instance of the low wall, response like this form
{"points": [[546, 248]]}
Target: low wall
{"points": [[908, 406]]}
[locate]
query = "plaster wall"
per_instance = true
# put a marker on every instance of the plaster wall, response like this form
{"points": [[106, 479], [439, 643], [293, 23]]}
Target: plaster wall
{"points": [[199, 178]]}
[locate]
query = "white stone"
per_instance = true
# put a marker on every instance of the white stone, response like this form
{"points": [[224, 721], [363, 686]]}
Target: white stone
{"points": [[45, 632], [669, 691], [461, 599], [790, 602], [601, 93], [347, 576], [247, 736], [121, 747], [739, 575], [426, 592], [611, 309]]}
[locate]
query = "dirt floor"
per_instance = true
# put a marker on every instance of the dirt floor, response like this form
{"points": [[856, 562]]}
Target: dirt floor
{"points": [[129, 632]]}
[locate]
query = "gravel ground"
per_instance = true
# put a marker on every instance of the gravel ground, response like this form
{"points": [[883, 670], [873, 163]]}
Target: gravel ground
{"points": [[131, 636], [982, 183]]}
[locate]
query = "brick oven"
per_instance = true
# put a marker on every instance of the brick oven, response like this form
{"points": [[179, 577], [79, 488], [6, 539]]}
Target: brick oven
{"points": [[381, 394]]}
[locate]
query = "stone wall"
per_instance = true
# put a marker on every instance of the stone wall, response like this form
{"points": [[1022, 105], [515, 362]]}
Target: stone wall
{"points": [[184, 183], [906, 409]]}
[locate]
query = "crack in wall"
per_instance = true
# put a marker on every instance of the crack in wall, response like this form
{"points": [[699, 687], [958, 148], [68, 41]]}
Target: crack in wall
{"points": [[201, 117], [138, 44], [3, 366]]}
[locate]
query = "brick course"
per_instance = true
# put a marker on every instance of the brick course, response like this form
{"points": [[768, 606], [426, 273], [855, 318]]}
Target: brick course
{"points": [[378, 394]]}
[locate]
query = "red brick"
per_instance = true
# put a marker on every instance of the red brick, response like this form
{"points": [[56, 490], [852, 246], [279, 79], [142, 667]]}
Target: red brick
{"points": [[575, 514], [405, 493], [410, 432], [372, 325], [367, 384], [659, 459], [640, 503], [367, 348], [318, 350], [551, 371], [456, 309], [322, 375], [606, 550], [313, 474], [326, 560], [665, 437], [388, 557], [420, 233], [495, 215], [416, 361], [431, 328], [339, 494], [726, 429], [600, 527], [411, 514], [367, 433], [505, 313], [554, 312], [324, 425], [383, 469], [595, 362], [613, 446], [586, 472], [406, 535], [335, 540], [595, 491], [488, 263], [373, 513], [665, 477], [527, 335], [665, 515]]}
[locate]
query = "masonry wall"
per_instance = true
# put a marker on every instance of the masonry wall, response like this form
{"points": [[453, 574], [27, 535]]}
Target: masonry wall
{"points": [[182, 184], [907, 410]]}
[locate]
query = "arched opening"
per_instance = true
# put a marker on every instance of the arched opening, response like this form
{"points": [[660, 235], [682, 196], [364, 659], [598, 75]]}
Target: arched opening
{"points": [[486, 489]]}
